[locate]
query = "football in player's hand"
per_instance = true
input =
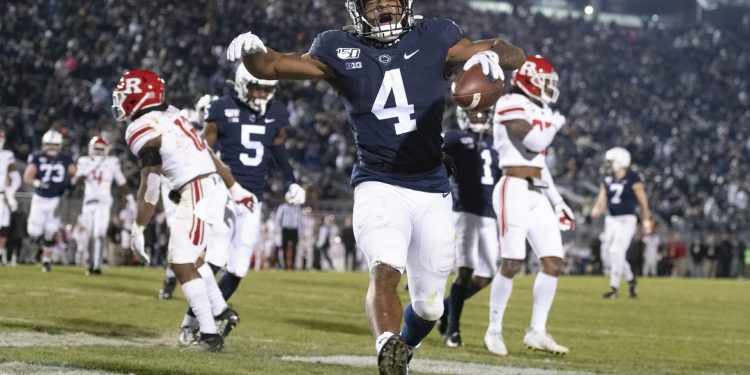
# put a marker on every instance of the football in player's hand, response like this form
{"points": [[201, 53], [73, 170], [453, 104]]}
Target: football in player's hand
{"points": [[474, 91]]}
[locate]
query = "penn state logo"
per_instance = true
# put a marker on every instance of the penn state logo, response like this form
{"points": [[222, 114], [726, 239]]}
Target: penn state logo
{"points": [[384, 59]]}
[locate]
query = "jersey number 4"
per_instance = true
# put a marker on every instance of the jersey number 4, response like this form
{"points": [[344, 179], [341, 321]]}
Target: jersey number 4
{"points": [[246, 131], [392, 82]]}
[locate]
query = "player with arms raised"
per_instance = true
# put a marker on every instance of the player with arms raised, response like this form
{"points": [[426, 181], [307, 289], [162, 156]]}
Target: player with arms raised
{"points": [[391, 72], [98, 170], [476, 223], [166, 143], [526, 203], [620, 191], [48, 172]]}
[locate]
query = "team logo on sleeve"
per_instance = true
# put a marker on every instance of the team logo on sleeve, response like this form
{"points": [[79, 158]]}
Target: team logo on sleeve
{"points": [[347, 53]]}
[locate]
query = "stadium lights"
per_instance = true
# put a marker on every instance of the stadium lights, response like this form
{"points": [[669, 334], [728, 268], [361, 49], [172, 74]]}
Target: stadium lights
{"points": [[589, 10]]}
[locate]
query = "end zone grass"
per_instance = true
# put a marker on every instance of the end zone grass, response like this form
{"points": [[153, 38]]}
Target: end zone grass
{"points": [[115, 323]]}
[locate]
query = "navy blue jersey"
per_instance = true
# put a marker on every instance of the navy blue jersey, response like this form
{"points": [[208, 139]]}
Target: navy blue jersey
{"points": [[245, 138], [477, 171], [621, 199], [394, 96], [52, 172]]}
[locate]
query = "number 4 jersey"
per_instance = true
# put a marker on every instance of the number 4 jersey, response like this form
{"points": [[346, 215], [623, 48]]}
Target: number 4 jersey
{"points": [[183, 153], [395, 96], [52, 172], [244, 137], [100, 172]]}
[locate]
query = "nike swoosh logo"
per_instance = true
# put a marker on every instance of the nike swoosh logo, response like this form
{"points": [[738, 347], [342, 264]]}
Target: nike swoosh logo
{"points": [[409, 55], [445, 195], [270, 120]]}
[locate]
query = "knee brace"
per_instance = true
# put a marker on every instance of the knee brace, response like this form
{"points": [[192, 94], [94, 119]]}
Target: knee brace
{"points": [[430, 311]]}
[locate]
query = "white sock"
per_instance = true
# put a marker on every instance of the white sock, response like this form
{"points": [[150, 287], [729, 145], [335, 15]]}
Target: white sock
{"points": [[170, 273], [628, 271], [97, 261], [615, 273], [189, 321], [3, 256], [218, 304], [195, 292], [500, 291], [545, 287], [380, 341]]}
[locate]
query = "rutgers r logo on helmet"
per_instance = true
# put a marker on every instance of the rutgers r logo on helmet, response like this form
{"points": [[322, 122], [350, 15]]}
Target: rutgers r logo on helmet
{"points": [[132, 86], [136, 90]]}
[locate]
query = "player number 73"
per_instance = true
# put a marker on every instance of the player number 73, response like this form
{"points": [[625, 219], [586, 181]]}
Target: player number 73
{"points": [[392, 82]]}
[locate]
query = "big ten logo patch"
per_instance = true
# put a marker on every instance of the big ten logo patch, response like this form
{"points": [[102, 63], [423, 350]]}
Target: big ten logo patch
{"points": [[354, 65]]}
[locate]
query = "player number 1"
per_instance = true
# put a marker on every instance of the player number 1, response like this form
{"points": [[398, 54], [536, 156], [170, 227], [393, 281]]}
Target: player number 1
{"points": [[392, 81]]}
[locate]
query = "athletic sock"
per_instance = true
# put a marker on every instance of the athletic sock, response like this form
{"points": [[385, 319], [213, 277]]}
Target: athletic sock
{"points": [[169, 273], [500, 291], [189, 320], [415, 328], [228, 284], [3, 256], [97, 259], [458, 296], [545, 287], [218, 304], [195, 292], [471, 290]]}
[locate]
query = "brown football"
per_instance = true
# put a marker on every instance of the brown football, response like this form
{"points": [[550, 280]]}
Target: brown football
{"points": [[474, 91]]}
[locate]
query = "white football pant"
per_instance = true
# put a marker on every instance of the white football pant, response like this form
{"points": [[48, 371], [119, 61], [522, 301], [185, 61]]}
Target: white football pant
{"points": [[618, 233], [477, 245]]}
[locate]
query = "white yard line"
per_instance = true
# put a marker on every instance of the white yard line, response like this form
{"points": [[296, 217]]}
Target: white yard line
{"points": [[23, 368]]}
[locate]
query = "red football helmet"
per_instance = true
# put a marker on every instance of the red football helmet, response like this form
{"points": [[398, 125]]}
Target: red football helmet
{"points": [[99, 146], [538, 79], [136, 91]]}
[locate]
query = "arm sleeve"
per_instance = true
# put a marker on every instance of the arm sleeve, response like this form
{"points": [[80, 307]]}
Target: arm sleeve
{"points": [[551, 192], [15, 182], [539, 138], [282, 162]]}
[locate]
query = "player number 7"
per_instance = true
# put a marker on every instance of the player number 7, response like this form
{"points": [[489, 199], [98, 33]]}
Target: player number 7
{"points": [[392, 82]]}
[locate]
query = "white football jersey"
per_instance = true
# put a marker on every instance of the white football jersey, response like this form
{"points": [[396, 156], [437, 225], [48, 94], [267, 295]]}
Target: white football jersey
{"points": [[510, 149], [102, 171], [184, 154], [6, 159]]}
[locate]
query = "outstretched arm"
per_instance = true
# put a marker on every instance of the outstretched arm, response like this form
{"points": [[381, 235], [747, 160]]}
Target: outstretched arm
{"points": [[510, 56]]}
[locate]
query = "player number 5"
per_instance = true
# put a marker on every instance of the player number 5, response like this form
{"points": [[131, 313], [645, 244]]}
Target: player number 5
{"points": [[252, 145], [392, 82]]}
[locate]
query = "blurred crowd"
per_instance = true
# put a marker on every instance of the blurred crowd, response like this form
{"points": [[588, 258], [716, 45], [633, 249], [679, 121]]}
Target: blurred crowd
{"points": [[676, 97]]}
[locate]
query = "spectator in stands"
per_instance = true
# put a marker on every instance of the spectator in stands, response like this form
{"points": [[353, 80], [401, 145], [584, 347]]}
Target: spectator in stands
{"points": [[677, 253], [350, 245]]}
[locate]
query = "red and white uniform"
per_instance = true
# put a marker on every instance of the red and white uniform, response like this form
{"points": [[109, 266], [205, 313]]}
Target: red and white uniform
{"points": [[185, 157], [99, 172], [523, 211], [6, 159]]}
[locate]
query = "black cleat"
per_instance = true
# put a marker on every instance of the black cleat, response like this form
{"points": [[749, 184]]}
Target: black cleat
{"points": [[633, 289], [443, 324], [46, 267], [208, 342], [93, 272], [226, 321], [168, 288], [612, 294], [453, 340], [393, 358]]}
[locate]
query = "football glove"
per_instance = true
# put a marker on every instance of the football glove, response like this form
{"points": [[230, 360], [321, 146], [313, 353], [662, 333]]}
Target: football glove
{"points": [[12, 202], [449, 164], [138, 243], [558, 120], [490, 62], [565, 216], [243, 45], [242, 197], [295, 195]]}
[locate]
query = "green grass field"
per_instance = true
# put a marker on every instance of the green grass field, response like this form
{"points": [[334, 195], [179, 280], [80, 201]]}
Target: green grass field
{"points": [[114, 323]]}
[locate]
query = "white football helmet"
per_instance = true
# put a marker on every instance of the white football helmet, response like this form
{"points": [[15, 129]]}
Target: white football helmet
{"points": [[388, 30], [52, 141], [476, 121], [99, 147], [245, 83], [618, 158]]}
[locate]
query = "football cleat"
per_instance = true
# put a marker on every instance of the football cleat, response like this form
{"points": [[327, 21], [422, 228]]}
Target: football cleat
{"points": [[188, 335], [543, 342], [226, 321], [453, 340], [443, 324], [93, 272], [633, 289], [612, 294], [393, 358], [168, 288], [208, 342], [46, 267], [494, 342]]}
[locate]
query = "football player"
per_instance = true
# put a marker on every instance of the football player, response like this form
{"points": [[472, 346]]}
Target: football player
{"points": [[620, 191], [526, 207], [166, 143], [477, 246], [49, 172], [402, 204], [98, 170], [11, 181]]}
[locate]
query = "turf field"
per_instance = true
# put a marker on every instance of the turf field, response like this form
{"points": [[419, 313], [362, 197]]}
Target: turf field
{"points": [[313, 323]]}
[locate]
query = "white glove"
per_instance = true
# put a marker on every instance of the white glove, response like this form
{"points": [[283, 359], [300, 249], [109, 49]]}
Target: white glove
{"points": [[130, 205], [566, 219], [490, 62], [12, 202], [558, 120], [138, 243], [295, 194], [243, 197], [243, 45]]}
